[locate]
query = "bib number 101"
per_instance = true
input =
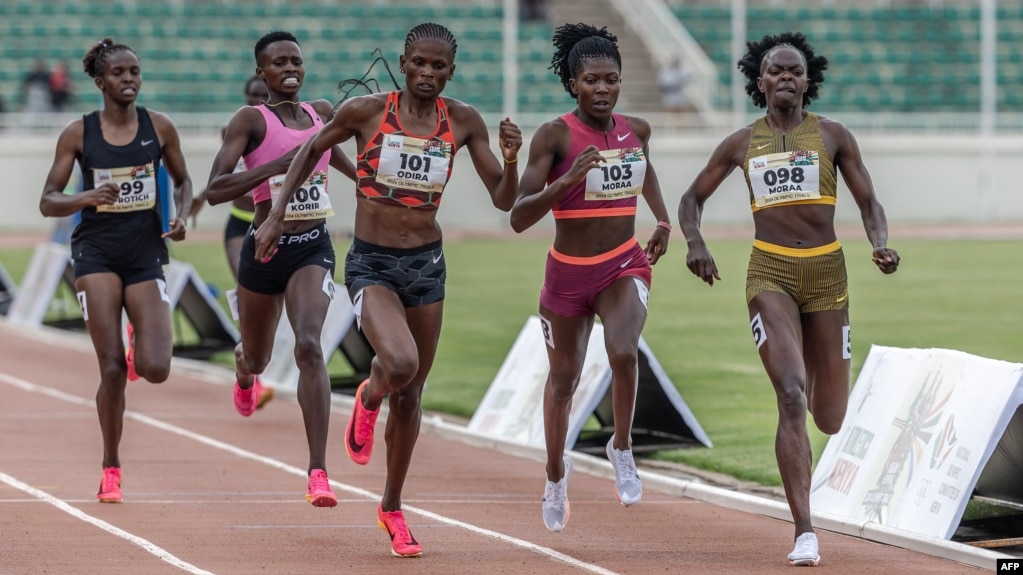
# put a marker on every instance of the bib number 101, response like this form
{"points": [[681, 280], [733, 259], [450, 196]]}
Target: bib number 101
{"points": [[415, 162]]}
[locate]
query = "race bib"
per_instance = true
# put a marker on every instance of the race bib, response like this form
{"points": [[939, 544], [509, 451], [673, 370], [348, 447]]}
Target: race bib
{"points": [[138, 187], [414, 164], [620, 176], [785, 177], [310, 201]]}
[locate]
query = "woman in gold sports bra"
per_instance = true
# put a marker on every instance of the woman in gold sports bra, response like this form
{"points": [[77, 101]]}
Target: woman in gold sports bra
{"points": [[796, 287]]}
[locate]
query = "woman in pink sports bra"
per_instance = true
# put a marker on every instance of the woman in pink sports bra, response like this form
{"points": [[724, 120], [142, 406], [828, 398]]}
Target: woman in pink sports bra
{"points": [[588, 167], [299, 273]]}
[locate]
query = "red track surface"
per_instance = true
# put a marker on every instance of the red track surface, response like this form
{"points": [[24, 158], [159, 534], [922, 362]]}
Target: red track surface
{"points": [[208, 491]]}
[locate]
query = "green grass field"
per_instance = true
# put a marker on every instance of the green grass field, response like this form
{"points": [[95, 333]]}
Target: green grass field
{"points": [[948, 293]]}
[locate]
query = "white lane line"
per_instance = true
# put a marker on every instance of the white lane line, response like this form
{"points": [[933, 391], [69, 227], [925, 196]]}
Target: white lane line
{"points": [[145, 544], [280, 465]]}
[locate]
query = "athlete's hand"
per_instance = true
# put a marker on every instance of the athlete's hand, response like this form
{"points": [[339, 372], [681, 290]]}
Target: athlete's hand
{"points": [[700, 262], [105, 195], [267, 237], [657, 245], [176, 231], [886, 259], [587, 160], [510, 138]]}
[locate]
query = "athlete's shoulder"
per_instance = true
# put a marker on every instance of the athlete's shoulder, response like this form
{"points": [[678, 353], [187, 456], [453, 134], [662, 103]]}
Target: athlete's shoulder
{"points": [[639, 125]]}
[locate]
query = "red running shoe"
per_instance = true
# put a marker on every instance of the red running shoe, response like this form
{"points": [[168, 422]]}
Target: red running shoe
{"points": [[245, 399], [403, 544], [359, 433], [318, 492], [110, 486]]}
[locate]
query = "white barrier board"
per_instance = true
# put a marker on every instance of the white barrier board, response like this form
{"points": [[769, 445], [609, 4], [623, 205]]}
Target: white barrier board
{"points": [[920, 426], [512, 408]]}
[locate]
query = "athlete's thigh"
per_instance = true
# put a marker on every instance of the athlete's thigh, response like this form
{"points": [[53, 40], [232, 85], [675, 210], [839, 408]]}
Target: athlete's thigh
{"points": [[149, 312], [827, 355], [424, 322], [233, 251], [100, 296], [384, 322], [566, 339], [258, 315], [777, 333], [307, 297], [622, 308]]}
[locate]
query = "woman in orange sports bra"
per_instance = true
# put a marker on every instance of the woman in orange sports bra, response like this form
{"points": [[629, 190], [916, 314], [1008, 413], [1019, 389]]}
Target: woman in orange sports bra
{"points": [[796, 287], [395, 270], [588, 167]]}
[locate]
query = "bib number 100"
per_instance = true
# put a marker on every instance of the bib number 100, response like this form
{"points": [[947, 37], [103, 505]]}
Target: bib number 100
{"points": [[303, 195]]}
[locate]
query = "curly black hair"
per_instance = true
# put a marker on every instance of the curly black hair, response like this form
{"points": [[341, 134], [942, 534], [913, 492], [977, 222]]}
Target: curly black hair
{"points": [[576, 43], [756, 52], [97, 55]]}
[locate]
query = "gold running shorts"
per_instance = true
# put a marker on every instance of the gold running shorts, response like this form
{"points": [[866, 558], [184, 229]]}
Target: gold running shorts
{"points": [[815, 278]]}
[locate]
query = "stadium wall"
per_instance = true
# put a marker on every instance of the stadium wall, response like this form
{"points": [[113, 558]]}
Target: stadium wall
{"points": [[920, 180]]}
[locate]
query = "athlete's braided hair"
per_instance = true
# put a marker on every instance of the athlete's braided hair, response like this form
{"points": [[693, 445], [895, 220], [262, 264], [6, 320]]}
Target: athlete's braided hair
{"points": [[756, 52], [270, 38], [433, 31], [575, 44], [97, 56]]}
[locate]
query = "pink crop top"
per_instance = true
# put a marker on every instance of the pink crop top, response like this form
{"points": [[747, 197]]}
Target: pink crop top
{"points": [[278, 141]]}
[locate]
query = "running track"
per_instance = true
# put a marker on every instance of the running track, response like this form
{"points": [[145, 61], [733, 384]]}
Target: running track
{"points": [[207, 491]]}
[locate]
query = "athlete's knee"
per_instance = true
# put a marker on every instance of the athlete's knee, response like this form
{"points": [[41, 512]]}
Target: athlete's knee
{"points": [[791, 397], [398, 369], [622, 356], [406, 401], [154, 372], [308, 352], [113, 373], [829, 419], [563, 383]]}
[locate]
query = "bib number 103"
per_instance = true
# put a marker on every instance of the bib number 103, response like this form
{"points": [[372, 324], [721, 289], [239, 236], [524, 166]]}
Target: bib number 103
{"points": [[617, 172]]}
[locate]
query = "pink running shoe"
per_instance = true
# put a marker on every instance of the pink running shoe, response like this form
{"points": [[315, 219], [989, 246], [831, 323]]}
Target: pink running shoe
{"points": [[245, 399], [318, 492], [403, 544], [110, 486], [129, 354], [359, 433]]}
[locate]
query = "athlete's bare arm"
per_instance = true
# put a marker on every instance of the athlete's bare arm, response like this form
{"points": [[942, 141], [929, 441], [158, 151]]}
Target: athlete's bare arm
{"points": [[535, 198], [174, 162], [502, 182], [244, 133], [54, 202]]}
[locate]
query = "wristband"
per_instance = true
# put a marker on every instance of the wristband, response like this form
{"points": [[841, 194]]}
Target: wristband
{"points": [[665, 225], [511, 161]]}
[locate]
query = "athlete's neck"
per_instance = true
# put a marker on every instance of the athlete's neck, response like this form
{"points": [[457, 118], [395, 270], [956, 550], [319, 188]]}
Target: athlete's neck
{"points": [[782, 121], [117, 114]]}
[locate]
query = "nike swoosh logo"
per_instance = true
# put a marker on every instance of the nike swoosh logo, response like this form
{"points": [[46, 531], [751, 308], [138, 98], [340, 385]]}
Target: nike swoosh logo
{"points": [[328, 261], [351, 442], [146, 142], [437, 258], [625, 263], [762, 147], [842, 298], [622, 138]]}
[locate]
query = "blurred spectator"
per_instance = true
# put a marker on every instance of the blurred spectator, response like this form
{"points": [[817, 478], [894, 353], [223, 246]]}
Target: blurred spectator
{"points": [[61, 87], [532, 10], [35, 89], [672, 81]]}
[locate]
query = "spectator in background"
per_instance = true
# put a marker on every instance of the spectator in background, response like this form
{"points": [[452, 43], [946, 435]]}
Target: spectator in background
{"points": [[61, 87], [672, 81], [35, 89], [532, 10]]}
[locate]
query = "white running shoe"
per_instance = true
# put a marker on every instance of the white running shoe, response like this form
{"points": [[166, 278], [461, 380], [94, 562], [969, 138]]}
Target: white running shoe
{"points": [[806, 550], [628, 489], [555, 500]]}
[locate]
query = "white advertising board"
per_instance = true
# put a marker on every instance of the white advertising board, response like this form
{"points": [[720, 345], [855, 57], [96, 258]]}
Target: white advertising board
{"points": [[920, 427]]}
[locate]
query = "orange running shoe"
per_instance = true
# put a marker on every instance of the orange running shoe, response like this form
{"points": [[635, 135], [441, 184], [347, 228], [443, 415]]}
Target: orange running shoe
{"points": [[359, 433], [403, 544], [129, 354], [263, 393], [110, 486], [318, 492]]}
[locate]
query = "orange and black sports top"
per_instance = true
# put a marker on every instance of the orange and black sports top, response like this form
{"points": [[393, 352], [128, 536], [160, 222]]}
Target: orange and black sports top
{"points": [[611, 189], [405, 169], [789, 169]]}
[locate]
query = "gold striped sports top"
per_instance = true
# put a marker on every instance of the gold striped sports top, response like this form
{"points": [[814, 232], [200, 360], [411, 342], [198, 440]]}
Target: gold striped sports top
{"points": [[789, 169]]}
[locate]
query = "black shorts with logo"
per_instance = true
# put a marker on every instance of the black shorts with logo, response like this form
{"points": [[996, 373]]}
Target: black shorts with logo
{"points": [[417, 275], [294, 252]]}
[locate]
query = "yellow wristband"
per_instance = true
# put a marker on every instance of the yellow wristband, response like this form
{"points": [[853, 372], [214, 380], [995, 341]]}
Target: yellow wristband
{"points": [[511, 161]]}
